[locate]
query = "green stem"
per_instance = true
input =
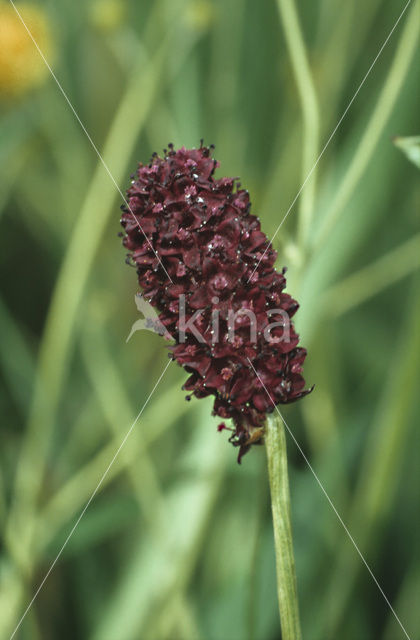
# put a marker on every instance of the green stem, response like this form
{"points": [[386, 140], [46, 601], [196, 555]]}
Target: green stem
{"points": [[310, 111], [280, 506], [390, 93]]}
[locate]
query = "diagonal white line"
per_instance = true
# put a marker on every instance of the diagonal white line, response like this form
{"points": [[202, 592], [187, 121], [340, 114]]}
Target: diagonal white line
{"points": [[331, 502], [67, 99], [332, 135], [89, 501]]}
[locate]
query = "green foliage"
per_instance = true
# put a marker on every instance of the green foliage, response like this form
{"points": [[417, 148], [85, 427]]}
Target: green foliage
{"points": [[177, 543], [411, 147]]}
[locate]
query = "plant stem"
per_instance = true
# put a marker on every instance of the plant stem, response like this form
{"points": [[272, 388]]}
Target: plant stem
{"points": [[391, 91], [280, 506], [310, 112]]}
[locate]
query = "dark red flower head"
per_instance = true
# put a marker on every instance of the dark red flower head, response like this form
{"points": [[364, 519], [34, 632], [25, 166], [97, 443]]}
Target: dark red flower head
{"points": [[209, 270]]}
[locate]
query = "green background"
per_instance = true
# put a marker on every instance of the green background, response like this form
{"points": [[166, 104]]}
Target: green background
{"points": [[177, 543]]}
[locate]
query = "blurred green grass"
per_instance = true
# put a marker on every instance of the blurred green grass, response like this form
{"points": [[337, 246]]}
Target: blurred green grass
{"points": [[177, 544]]}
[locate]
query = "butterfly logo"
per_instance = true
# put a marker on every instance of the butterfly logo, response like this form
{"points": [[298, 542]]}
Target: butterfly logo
{"points": [[150, 320]]}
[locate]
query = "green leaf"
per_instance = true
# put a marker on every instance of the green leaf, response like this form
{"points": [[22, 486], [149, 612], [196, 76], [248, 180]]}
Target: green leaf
{"points": [[410, 146]]}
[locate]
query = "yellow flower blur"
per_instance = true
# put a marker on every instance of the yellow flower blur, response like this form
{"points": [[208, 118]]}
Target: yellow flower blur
{"points": [[21, 66]]}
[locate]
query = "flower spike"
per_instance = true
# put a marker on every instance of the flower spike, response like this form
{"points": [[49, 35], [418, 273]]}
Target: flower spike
{"points": [[225, 307]]}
